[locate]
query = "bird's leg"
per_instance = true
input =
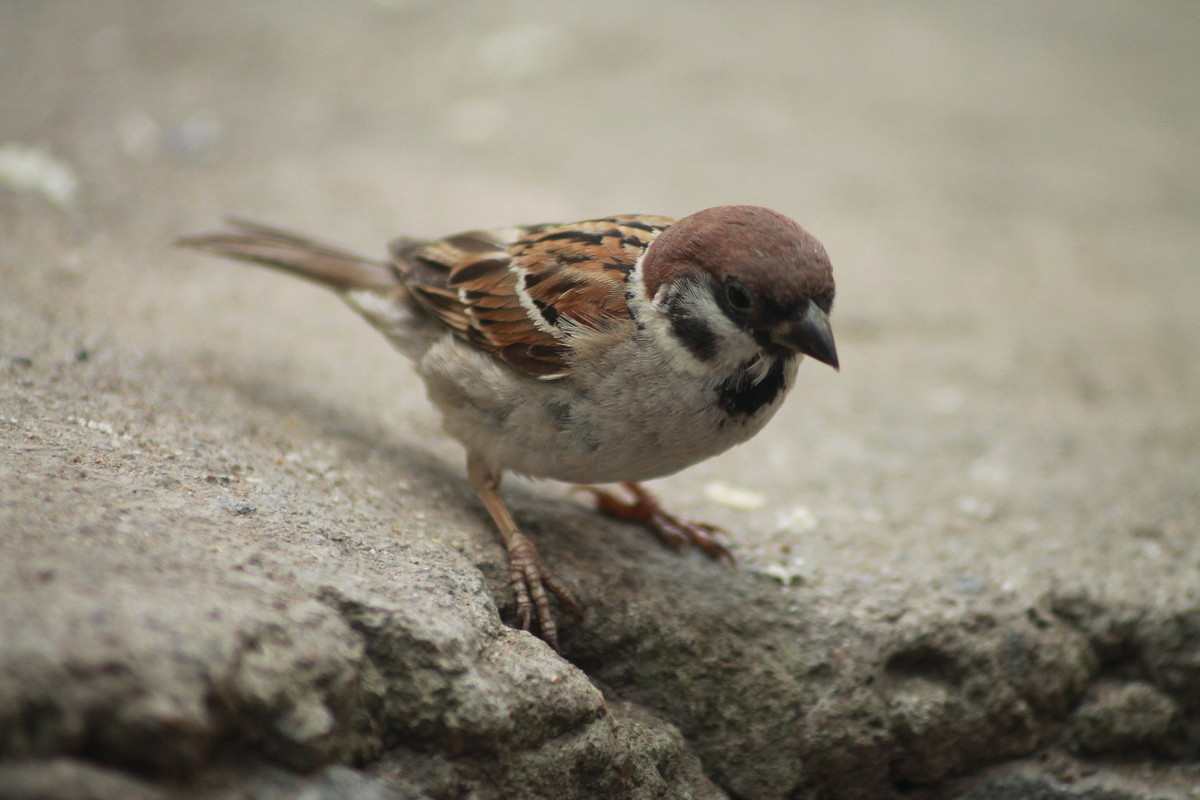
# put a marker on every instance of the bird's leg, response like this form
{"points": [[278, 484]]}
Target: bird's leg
{"points": [[529, 578], [645, 510]]}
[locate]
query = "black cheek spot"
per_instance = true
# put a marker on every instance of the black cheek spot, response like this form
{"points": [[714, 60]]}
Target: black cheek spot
{"points": [[693, 332], [696, 336]]}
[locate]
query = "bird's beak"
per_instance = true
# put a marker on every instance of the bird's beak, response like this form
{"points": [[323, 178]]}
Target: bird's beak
{"points": [[809, 334]]}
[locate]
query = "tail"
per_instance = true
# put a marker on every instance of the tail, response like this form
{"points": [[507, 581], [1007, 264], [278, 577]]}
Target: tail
{"points": [[341, 271]]}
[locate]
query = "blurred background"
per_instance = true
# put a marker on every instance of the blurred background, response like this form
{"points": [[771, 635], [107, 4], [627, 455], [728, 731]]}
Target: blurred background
{"points": [[1009, 193]]}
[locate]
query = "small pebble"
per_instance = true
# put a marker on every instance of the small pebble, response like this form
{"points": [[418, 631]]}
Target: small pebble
{"points": [[32, 168], [734, 496]]}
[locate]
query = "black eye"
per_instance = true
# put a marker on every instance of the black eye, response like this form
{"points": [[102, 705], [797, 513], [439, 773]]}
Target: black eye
{"points": [[736, 295]]}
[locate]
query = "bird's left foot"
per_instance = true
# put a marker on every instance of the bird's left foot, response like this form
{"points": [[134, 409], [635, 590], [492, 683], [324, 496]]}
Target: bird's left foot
{"points": [[645, 510]]}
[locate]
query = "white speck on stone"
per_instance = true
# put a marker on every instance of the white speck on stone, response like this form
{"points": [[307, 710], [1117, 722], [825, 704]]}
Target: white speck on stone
{"points": [[871, 515], [734, 496], [974, 507], [779, 572], [30, 168], [94, 425], [797, 519], [786, 574]]}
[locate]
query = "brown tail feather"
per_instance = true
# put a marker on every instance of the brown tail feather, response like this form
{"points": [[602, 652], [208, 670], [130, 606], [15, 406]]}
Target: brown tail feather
{"points": [[322, 263]]}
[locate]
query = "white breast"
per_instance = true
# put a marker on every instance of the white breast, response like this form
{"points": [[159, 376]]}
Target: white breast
{"points": [[638, 412]]}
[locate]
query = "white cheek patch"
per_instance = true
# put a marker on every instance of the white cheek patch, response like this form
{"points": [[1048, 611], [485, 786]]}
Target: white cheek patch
{"points": [[695, 300], [653, 323], [689, 321]]}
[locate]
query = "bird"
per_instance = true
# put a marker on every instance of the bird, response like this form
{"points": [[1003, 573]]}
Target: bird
{"points": [[608, 351]]}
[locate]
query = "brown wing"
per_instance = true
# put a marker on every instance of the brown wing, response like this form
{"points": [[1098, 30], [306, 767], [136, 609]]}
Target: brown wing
{"points": [[532, 295]]}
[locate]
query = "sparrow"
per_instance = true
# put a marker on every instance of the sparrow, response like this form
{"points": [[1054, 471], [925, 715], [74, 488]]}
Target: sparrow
{"points": [[612, 350]]}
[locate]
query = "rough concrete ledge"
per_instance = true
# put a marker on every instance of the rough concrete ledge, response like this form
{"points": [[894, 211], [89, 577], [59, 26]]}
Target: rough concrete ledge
{"points": [[153, 627], [237, 560]]}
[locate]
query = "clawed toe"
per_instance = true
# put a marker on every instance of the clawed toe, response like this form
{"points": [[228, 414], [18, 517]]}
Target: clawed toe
{"points": [[674, 531], [530, 580], [701, 535], [528, 577]]}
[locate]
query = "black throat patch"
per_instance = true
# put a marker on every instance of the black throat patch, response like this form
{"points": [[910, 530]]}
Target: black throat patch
{"points": [[738, 395]]}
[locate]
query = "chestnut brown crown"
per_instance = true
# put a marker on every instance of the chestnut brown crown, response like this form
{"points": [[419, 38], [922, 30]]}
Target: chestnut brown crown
{"points": [[769, 275]]}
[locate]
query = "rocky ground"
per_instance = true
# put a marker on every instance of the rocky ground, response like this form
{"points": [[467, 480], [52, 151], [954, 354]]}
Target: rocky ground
{"points": [[237, 559]]}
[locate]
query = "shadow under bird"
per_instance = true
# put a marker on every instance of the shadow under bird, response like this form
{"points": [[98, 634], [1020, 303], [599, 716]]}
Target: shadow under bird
{"points": [[612, 350]]}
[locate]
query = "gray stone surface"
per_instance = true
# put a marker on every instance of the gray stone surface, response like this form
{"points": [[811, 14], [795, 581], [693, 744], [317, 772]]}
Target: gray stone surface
{"points": [[238, 560]]}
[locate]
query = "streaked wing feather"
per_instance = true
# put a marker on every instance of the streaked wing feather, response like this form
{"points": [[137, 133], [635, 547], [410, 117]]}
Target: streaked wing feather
{"points": [[530, 296]]}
